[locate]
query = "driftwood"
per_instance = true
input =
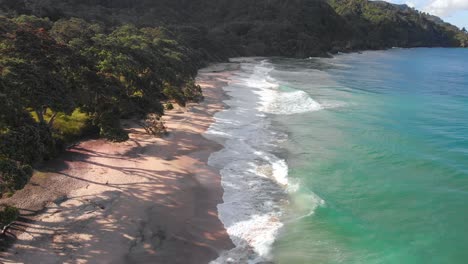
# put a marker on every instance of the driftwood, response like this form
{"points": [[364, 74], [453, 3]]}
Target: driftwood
{"points": [[5, 229]]}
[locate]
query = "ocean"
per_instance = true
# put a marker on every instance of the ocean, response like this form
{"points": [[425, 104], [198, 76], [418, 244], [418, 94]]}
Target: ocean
{"points": [[359, 158]]}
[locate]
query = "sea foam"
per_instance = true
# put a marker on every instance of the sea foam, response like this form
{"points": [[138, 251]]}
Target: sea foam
{"points": [[255, 180], [274, 101]]}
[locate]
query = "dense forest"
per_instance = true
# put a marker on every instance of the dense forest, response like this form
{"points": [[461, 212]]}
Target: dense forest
{"points": [[75, 68], [63, 80], [378, 24], [218, 29]]}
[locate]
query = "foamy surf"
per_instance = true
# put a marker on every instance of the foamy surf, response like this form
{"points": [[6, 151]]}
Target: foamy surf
{"points": [[275, 101], [255, 180], [288, 103]]}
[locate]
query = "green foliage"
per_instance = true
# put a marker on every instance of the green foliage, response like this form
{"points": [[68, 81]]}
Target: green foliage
{"points": [[216, 30], [8, 214], [173, 93], [23, 144], [169, 106], [378, 24], [72, 127], [463, 38], [35, 69], [63, 80], [33, 21], [13, 175], [74, 31], [193, 92], [110, 127]]}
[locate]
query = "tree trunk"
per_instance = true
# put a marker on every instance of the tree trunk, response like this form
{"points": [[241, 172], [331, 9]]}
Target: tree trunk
{"points": [[40, 115], [52, 119]]}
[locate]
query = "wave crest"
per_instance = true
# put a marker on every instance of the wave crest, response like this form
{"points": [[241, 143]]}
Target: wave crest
{"points": [[288, 103], [255, 181]]}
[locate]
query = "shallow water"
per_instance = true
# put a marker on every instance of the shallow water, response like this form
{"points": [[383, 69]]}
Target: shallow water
{"points": [[362, 158]]}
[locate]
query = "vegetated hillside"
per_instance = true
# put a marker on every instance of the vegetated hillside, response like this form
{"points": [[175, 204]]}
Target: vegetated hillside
{"points": [[297, 28], [378, 24], [63, 80]]}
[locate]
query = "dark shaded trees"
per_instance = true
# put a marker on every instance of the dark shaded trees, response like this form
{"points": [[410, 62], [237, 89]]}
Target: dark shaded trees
{"points": [[53, 70], [216, 30], [378, 24]]}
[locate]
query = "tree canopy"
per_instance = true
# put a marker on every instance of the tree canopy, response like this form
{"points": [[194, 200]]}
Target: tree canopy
{"points": [[216, 30], [74, 70]]}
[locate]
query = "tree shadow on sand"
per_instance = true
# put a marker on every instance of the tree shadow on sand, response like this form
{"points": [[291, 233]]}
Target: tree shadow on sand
{"points": [[154, 216]]}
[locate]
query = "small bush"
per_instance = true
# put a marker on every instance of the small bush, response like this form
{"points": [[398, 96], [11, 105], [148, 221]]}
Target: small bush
{"points": [[13, 176], [193, 92], [8, 214], [175, 94], [114, 134], [24, 144], [169, 106], [110, 128], [153, 125]]}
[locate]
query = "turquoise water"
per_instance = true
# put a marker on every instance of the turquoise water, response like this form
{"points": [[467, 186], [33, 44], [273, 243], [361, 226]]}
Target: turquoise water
{"points": [[382, 170]]}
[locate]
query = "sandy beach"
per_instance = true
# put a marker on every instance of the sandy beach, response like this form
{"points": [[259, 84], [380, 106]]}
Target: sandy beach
{"points": [[147, 200]]}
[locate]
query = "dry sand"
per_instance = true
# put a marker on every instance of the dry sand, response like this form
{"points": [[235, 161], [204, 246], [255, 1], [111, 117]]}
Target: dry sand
{"points": [[147, 200]]}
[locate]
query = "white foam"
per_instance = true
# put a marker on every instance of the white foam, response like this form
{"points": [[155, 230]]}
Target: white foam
{"points": [[303, 204], [274, 101], [255, 181], [262, 229], [288, 103]]}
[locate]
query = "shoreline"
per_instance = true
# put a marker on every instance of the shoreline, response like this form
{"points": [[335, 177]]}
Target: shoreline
{"points": [[147, 200], [254, 178]]}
